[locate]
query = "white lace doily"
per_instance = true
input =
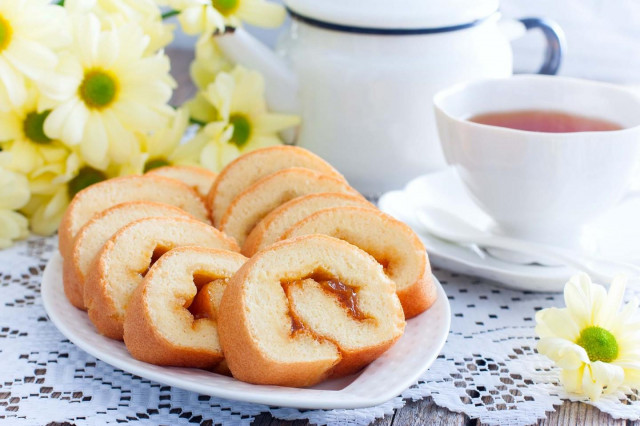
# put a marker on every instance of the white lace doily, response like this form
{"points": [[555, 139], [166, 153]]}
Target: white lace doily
{"points": [[488, 369]]}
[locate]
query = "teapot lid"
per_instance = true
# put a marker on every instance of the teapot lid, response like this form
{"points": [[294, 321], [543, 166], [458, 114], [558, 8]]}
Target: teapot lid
{"points": [[392, 14]]}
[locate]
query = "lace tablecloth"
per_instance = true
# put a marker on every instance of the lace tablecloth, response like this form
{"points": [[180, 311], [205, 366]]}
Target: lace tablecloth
{"points": [[488, 369]]}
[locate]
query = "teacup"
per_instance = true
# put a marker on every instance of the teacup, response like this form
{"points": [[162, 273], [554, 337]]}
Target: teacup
{"points": [[539, 186]]}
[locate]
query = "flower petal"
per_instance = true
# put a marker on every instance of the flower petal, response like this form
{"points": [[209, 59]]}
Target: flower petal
{"points": [[554, 322], [608, 312], [261, 13], [600, 377], [95, 143], [13, 226], [572, 379], [12, 84], [583, 298], [566, 354], [15, 190], [31, 58]]}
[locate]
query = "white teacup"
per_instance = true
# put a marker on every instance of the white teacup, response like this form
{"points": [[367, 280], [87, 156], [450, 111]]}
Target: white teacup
{"points": [[541, 186]]}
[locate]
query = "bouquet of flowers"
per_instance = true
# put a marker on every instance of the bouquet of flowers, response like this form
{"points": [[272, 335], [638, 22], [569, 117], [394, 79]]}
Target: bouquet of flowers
{"points": [[84, 96]]}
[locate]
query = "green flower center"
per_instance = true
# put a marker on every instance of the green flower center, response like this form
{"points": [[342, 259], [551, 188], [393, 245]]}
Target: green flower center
{"points": [[241, 130], [599, 343], [5, 33], [87, 176], [225, 7], [33, 127], [155, 163], [98, 89]]}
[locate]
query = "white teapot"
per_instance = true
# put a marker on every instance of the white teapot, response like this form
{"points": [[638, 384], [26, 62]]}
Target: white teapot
{"points": [[362, 75]]}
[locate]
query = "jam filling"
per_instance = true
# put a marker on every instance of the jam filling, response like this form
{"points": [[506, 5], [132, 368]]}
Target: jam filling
{"points": [[202, 305], [346, 295], [157, 254], [385, 265]]}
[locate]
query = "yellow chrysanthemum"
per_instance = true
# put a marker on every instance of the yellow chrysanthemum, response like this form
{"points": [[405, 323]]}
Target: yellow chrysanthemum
{"points": [[117, 92], [216, 150], [113, 13], [238, 99], [207, 16], [52, 187], [22, 134], [164, 147], [14, 195], [30, 31], [209, 61], [596, 344]]}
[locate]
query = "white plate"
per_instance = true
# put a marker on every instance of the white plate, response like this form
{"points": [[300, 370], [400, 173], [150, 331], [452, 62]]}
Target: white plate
{"points": [[396, 370], [614, 233]]}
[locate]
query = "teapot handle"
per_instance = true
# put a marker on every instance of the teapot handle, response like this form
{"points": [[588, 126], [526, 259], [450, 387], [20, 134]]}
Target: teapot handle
{"points": [[556, 44]]}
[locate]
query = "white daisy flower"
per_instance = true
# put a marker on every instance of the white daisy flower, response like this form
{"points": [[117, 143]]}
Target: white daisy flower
{"points": [[30, 32], [15, 194], [243, 122], [207, 16], [596, 344], [117, 91], [113, 13]]}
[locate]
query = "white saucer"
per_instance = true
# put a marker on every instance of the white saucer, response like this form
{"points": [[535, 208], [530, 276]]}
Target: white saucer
{"points": [[616, 233], [385, 378]]}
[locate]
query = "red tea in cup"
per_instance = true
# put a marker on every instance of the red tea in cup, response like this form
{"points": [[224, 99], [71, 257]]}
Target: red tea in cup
{"points": [[547, 121]]}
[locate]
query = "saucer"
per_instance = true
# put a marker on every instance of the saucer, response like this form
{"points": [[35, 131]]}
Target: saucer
{"points": [[613, 234], [385, 378]]}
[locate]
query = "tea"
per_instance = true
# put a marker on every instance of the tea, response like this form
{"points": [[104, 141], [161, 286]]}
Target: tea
{"points": [[547, 121]]}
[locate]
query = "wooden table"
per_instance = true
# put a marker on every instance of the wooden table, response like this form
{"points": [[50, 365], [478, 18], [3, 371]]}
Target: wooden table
{"points": [[423, 412]]}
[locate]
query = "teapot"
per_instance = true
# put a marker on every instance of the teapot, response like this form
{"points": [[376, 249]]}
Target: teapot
{"points": [[362, 75]]}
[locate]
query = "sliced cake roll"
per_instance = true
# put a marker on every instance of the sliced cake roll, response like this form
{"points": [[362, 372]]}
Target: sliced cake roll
{"points": [[126, 257], [306, 309], [249, 168], [392, 243], [198, 178], [253, 204], [96, 232], [171, 318], [275, 224], [101, 196]]}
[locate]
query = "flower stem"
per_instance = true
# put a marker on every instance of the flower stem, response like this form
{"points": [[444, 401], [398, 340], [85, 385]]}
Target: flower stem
{"points": [[168, 14], [198, 122]]}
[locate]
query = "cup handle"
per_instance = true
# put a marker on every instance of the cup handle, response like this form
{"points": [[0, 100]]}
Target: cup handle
{"points": [[556, 44]]}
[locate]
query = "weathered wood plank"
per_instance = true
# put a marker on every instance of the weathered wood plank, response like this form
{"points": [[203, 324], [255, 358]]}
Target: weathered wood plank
{"points": [[385, 421], [265, 419], [426, 412], [577, 413]]}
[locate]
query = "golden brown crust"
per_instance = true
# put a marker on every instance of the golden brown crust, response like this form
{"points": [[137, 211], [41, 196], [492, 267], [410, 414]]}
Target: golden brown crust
{"points": [[95, 296], [146, 344], [103, 195], [262, 234], [299, 158], [105, 292], [418, 297], [73, 288], [364, 229], [145, 341], [244, 358], [198, 178], [243, 352], [73, 276], [271, 191]]}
